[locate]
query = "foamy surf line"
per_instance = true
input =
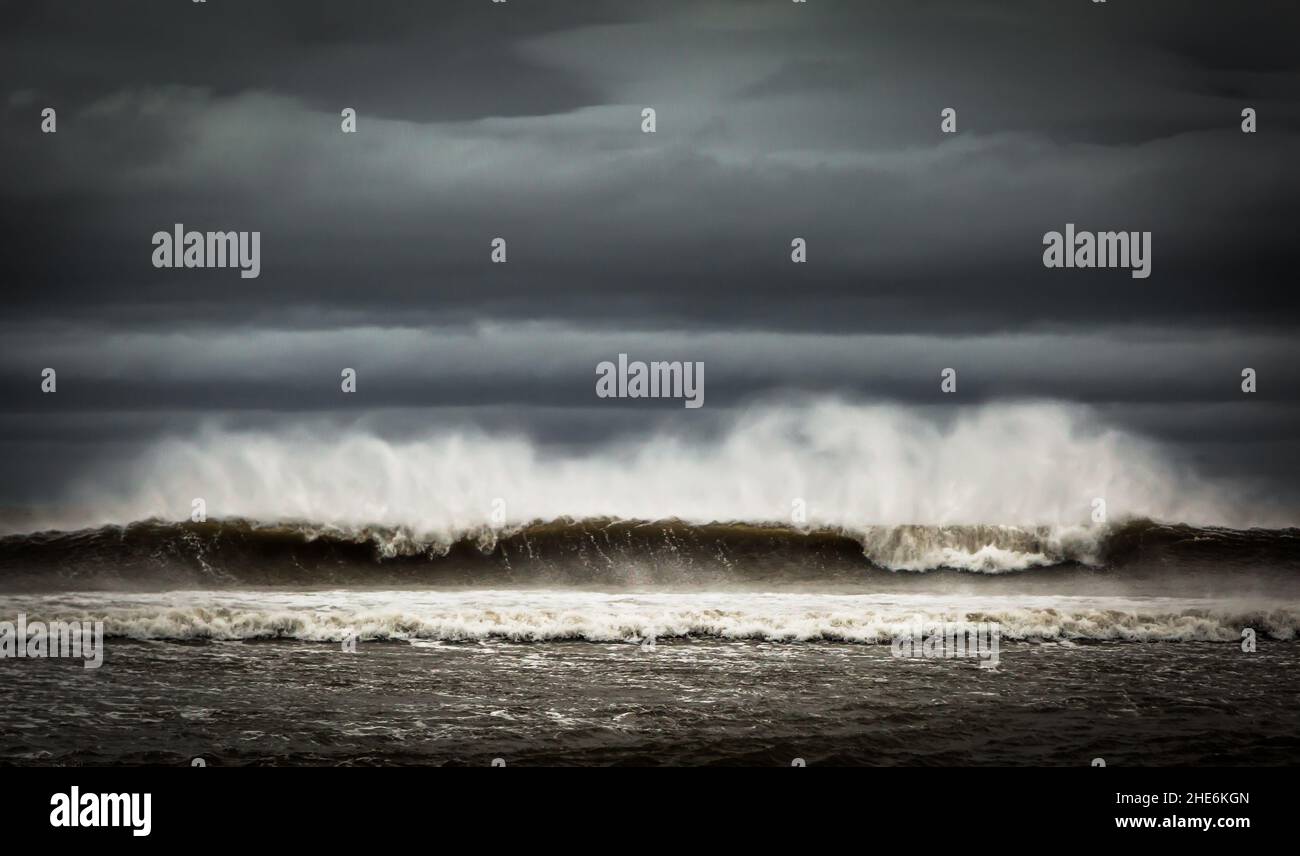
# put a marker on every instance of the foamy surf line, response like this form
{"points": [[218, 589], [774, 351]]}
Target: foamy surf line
{"points": [[535, 616]]}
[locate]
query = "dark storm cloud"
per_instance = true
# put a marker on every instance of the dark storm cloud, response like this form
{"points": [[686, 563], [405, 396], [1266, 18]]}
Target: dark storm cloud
{"points": [[541, 365], [415, 61], [820, 122], [522, 120], [606, 224]]}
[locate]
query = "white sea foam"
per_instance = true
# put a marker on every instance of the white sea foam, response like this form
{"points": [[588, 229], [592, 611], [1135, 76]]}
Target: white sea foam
{"points": [[534, 616], [981, 549]]}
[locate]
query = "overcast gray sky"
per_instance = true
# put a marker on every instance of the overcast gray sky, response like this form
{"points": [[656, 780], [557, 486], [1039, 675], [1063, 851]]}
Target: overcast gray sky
{"points": [[523, 120]]}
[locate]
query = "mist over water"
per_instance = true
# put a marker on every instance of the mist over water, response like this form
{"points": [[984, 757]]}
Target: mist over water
{"points": [[852, 466]]}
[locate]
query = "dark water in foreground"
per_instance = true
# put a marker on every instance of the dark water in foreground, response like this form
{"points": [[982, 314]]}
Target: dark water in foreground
{"points": [[660, 643], [687, 701]]}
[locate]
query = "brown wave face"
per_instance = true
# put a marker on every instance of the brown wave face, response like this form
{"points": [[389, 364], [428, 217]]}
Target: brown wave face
{"points": [[636, 554]]}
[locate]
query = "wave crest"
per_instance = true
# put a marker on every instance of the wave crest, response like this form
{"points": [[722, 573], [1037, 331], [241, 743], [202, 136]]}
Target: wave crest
{"points": [[608, 552]]}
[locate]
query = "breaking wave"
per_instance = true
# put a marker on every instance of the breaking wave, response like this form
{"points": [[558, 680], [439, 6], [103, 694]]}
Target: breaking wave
{"points": [[611, 553], [826, 491]]}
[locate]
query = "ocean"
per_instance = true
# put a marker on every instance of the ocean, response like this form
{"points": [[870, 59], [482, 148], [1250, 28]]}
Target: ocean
{"points": [[602, 642]]}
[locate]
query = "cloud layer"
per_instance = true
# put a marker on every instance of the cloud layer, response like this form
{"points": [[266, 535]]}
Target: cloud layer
{"points": [[522, 120]]}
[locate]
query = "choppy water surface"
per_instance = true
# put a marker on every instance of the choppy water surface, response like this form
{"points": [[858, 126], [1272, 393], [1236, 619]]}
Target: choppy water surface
{"points": [[776, 685]]}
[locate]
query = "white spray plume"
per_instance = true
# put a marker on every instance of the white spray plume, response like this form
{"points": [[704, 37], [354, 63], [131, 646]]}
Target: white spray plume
{"points": [[1026, 464]]}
